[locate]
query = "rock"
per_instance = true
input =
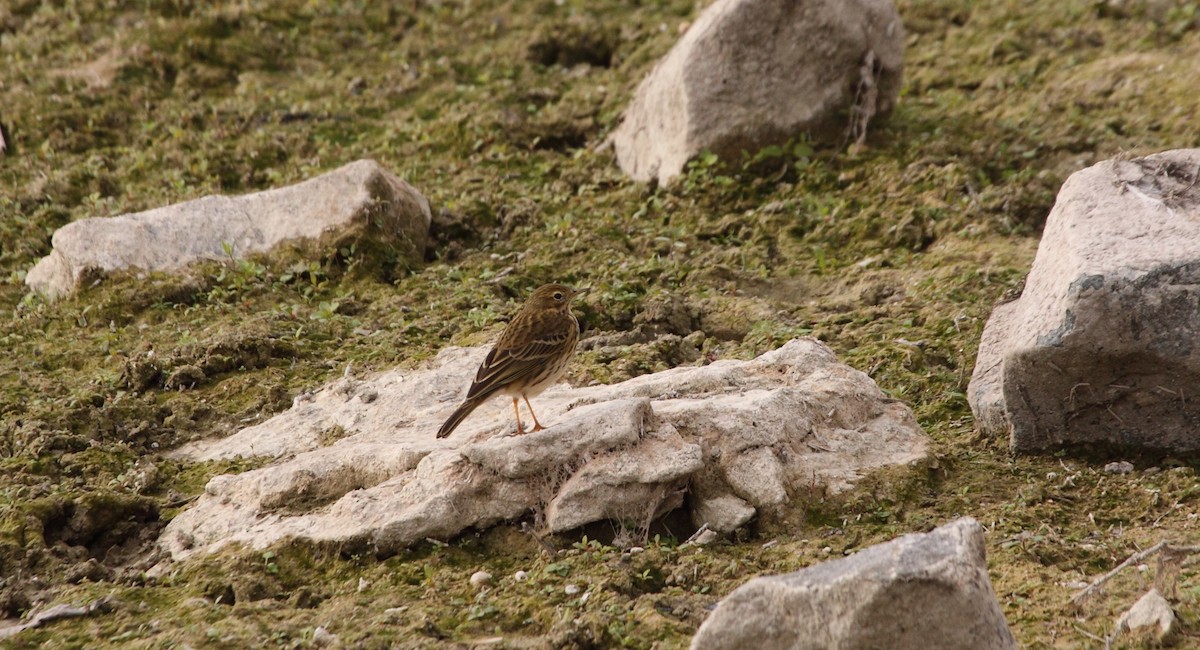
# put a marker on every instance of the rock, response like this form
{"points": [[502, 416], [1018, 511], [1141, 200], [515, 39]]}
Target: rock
{"points": [[481, 579], [925, 591], [714, 505], [1119, 467], [1150, 616], [90, 570], [59, 612], [751, 73], [323, 638], [328, 208], [520, 576], [571, 589], [630, 451], [1101, 346]]}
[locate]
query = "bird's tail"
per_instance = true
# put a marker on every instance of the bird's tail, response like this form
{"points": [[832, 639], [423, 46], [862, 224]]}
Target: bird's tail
{"points": [[457, 417]]}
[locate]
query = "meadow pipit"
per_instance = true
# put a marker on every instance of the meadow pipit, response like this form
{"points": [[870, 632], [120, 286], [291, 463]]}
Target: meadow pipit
{"points": [[532, 354]]}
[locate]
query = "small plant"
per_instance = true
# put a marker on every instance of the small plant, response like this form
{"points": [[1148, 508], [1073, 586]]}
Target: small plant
{"points": [[560, 569], [480, 611]]}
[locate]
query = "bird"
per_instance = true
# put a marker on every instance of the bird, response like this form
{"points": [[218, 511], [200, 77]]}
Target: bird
{"points": [[532, 354]]}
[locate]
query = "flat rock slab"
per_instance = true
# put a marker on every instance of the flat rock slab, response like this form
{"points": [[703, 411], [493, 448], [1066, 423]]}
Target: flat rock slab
{"points": [[927, 591], [752, 73], [1103, 346], [359, 195], [357, 463]]}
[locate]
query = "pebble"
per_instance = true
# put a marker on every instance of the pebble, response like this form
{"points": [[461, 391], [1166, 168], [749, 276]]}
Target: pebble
{"points": [[707, 537], [571, 589], [520, 576], [363, 585], [1120, 467], [395, 611], [323, 637], [634, 550], [481, 579]]}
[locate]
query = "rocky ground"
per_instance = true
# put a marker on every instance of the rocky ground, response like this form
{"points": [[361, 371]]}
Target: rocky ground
{"points": [[892, 253]]}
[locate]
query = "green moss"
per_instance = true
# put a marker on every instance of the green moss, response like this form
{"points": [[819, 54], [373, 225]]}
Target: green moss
{"points": [[893, 254]]}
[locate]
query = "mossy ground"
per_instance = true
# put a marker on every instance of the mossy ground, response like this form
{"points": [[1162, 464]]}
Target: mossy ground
{"points": [[893, 254]]}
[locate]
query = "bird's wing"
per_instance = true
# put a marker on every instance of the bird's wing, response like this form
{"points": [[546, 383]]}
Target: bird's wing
{"points": [[506, 364]]}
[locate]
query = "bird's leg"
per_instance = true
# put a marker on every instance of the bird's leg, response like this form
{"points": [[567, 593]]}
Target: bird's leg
{"points": [[517, 412], [537, 426]]}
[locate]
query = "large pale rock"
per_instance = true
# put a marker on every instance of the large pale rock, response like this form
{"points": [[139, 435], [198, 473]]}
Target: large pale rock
{"points": [[926, 591], [727, 441], [1103, 346], [359, 195], [751, 73]]}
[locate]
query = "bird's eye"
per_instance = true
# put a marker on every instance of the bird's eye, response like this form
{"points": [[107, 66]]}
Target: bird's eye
{"points": [[558, 295]]}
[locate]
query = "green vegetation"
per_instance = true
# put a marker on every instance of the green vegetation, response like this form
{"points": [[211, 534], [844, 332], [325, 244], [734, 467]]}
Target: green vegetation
{"points": [[892, 254]]}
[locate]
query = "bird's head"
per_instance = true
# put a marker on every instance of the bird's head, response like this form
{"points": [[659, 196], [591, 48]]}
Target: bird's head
{"points": [[553, 296]]}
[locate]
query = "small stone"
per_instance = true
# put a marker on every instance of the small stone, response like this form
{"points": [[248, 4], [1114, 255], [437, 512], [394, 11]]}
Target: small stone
{"points": [[481, 579], [520, 576], [394, 612], [1151, 615], [707, 537], [634, 550], [324, 638], [1119, 467], [92, 571], [571, 589], [363, 585]]}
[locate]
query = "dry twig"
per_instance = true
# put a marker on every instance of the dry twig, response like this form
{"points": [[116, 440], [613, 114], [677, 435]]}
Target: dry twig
{"points": [[1082, 594]]}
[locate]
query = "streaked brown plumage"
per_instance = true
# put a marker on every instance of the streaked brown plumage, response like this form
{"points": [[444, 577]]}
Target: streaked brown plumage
{"points": [[532, 354]]}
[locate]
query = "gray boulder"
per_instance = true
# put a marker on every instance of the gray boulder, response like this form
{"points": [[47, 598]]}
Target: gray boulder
{"points": [[1150, 617], [334, 205], [1103, 346], [727, 441], [751, 73], [926, 591]]}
